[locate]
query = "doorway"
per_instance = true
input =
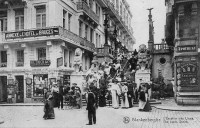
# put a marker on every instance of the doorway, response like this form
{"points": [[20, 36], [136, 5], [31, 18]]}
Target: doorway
{"points": [[3, 88], [20, 89]]}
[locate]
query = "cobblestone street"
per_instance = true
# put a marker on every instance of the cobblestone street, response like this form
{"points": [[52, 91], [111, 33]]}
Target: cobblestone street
{"points": [[31, 117]]}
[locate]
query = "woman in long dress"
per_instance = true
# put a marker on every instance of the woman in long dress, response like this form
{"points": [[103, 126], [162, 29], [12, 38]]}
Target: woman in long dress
{"points": [[147, 106], [115, 92], [55, 91], [124, 100], [143, 99], [78, 97], [48, 105]]}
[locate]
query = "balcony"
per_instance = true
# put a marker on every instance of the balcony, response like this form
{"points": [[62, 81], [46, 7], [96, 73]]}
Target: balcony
{"points": [[162, 48], [101, 52], [83, 7], [48, 33], [19, 64], [114, 14], [3, 64]]}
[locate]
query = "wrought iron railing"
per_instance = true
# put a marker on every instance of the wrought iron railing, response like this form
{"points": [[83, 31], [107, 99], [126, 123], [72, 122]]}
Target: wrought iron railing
{"points": [[83, 6]]}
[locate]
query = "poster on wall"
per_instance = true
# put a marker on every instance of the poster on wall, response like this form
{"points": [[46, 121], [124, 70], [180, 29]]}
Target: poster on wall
{"points": [[28, 87], [51, 82], [39, 82], [66, 80], [11, 88]]}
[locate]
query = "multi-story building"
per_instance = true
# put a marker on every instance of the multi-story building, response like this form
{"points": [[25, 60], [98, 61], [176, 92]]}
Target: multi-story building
{"points": [[182, 32], [117, 28], [38, 39]]}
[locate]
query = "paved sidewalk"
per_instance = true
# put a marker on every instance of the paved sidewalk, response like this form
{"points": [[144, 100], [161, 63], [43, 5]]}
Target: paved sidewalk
{"points": [[166, 104], [170, 104]]}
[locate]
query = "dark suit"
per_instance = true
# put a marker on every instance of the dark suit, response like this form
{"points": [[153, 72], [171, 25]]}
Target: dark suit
{"points": [[61, 94], [91, 108], [130, 94]]}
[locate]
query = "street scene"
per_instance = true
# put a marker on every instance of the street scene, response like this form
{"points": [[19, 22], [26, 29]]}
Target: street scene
{"points": [[99, 63], [31, 116]]}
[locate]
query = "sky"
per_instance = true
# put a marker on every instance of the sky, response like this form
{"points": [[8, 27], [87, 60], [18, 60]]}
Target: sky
{"points": [[140, 20]]}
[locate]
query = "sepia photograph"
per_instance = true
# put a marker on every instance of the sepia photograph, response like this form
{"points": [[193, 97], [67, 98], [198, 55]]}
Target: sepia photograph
{"points": [[99, 64]]}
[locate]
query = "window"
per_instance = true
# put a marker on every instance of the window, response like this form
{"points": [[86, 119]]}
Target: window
{"points": [[19, 19], [66, 58], [181, 10], [20, 56], [3, 56], [90, 3], [41, 53], [69, 21], [97, 36], [40, 16], [3, 20], [86, 29], [70, 59], [97, 10], [194, 8], [64, 18], [99, 43], [162, 60], [39, 82], [91, 35], [117, 4], [121, 9], [80, 28]]}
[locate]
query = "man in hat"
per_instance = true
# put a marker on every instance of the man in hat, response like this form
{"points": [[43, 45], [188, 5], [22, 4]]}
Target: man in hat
{"points": [[130, 93], [61, 94]]}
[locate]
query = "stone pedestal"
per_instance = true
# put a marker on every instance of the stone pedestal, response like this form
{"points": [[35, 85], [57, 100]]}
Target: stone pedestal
{"points": [[77, 77], [142, 74], [145, 76]]}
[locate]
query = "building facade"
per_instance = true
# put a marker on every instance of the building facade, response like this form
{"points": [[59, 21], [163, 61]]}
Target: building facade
{"points": [[38, 41], [182, 32]]}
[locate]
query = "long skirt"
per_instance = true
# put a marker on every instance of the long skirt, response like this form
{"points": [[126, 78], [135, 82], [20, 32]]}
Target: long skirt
{"points": [[115, 100], [55, 99], [102, 101], [48, 110], [147, 106], [124, 101], [142, 104]]}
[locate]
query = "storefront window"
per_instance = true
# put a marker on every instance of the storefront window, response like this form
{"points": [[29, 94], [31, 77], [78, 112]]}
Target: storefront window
{"points": [[39, 82]]}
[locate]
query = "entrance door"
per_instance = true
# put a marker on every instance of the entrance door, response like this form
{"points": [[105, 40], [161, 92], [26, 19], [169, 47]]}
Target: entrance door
{"points": [[3, 88], [20, 93]]}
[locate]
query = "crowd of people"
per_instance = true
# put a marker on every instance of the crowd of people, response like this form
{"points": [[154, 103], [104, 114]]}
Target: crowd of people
{"points": [[106, 85], [54, 98]]}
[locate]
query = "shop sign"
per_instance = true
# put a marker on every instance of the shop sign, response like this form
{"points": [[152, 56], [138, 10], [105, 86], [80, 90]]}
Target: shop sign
{"points": [[37, 63], [32, 33], [187, 74], [59, 61], [188, 48]]}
